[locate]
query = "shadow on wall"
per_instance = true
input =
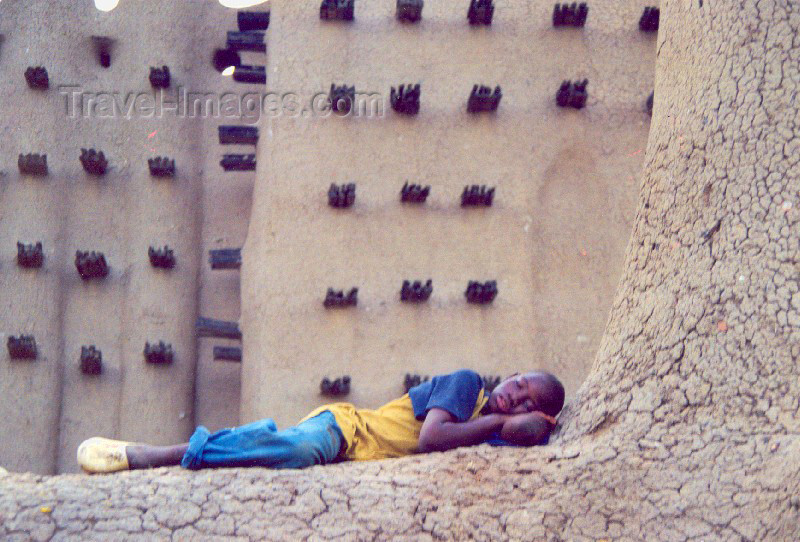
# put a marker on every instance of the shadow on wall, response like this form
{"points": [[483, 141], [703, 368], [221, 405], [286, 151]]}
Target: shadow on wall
{"points": [[581, 229]]}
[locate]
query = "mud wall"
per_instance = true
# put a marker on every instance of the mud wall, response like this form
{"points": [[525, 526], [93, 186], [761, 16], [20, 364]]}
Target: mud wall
{"points": [[553, 239], [48, 406]]}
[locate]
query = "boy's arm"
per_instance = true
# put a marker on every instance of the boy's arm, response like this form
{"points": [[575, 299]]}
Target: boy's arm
{"points": [[528, 429], [440, 430]]}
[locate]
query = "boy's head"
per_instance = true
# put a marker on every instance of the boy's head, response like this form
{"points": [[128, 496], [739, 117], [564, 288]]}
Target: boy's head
{"points": [[529, 392]]}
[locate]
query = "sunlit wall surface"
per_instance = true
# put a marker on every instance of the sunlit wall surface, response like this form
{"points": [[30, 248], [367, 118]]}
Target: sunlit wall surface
{"points": [[105, 5], [241, 3]]}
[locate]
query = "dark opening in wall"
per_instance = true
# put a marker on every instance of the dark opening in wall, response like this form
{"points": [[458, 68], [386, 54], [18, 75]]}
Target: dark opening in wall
{"points": [[225, 58]]}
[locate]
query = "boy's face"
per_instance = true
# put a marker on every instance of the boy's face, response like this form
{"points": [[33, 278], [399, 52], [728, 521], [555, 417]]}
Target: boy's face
{"points": [[517, 394]]}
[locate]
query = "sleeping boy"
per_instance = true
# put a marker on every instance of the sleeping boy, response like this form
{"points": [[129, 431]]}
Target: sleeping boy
{"points": [[445, 412]]}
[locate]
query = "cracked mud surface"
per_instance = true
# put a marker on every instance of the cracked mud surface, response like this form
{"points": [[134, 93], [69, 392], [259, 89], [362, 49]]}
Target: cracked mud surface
{"points": [[688, 426], [586, 491]]}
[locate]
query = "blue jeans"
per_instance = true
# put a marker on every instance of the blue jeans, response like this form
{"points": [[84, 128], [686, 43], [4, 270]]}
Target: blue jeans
{"points": [[315, 441]]}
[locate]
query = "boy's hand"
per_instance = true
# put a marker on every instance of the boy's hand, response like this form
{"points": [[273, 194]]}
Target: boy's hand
{"points": [[528, 429], [534, 415], [553, 422]]}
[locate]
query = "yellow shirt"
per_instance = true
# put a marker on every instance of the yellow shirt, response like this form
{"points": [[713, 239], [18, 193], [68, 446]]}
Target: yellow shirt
{"points": [[390, 431]]}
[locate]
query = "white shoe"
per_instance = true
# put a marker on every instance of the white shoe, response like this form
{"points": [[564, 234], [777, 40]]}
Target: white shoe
{"points": [[99, 454]]}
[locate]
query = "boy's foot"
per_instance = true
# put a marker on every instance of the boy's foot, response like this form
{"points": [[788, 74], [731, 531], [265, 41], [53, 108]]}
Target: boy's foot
{"points": [[99, 454]]}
